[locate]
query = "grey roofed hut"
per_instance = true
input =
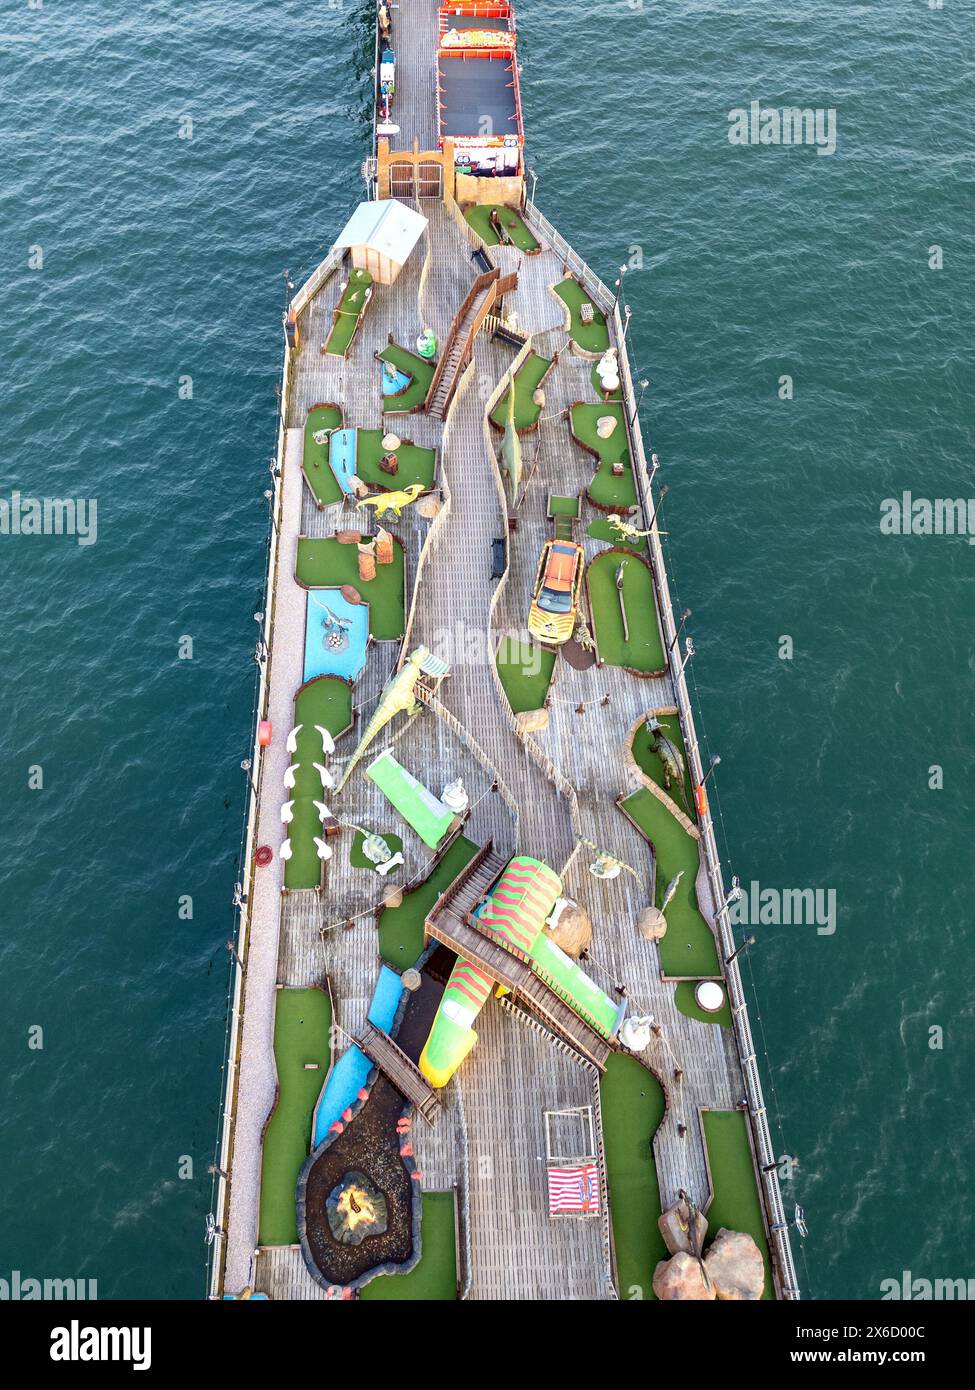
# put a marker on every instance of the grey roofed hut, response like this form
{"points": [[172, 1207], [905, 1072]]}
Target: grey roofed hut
{"points": [[380, 235]]}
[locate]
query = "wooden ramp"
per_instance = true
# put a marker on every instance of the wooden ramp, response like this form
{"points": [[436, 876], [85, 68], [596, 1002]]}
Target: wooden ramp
{"points": [[481, 298], [405, 1075]]}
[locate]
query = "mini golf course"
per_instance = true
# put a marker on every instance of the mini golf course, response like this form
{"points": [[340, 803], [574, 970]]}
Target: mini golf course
{"points": [[736, 1204], [351, 307], [302, 1020], [632, 1107], [641, 650], [416, 464], [356, 857], [649, 762], [328, 563], [526, 671], [517, 232], [434, 1279], [591, 337], [528, 378], [327, 701], [605, 490], [688, 949], [420, 370], [314, 459], [401, 928], [690, 1008]]}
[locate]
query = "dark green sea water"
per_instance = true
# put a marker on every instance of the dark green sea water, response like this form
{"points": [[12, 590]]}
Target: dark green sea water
{"points": [[162, 258]]}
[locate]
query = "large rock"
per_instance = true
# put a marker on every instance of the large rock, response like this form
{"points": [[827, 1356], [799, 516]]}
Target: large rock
{"points": [[531, 719], [652, 923], [682, 1277], [428, 507], [683, 1228], [735, 1265]]}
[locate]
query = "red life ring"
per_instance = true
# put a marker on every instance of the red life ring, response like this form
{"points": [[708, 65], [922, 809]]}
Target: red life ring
{"points": [[263, 856]]}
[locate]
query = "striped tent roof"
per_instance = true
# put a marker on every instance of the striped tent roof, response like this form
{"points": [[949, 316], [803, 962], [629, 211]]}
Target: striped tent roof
{"points": [[519, 903]]}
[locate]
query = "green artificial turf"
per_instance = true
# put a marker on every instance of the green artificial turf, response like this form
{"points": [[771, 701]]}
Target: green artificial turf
{"points": [[401, 928], [519, 235], [632, 1107], [302, 1020], [421, 369], [325, 564], [351, 308], [605, 490], [591, 337], [527, 378], [649, 762], [434, 1278], [359, 861], [689, 948], [526, 670], [321, 479], [644, 650], [736, 1204], [416, 464], [600, 530], [689, 1007], [563, 506], [327, 701]]}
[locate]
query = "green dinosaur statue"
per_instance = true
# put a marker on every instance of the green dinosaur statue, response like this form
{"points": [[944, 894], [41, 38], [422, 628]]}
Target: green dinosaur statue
{"points": [[398, 694]]}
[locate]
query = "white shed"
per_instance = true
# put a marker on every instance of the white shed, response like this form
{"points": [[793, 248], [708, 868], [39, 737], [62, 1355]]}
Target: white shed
{"points": [[381, 236]]}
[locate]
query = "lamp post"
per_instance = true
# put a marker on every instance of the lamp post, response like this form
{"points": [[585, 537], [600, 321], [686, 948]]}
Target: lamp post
{"points": [[643, 386], [619, 286], [275, 471], [715, 759], [688, 653], [748, 941], [660, 501], [233, 951], [734, 892], [269, 496], [246, 766], [627, 315], [534, 178], [683, 619]]}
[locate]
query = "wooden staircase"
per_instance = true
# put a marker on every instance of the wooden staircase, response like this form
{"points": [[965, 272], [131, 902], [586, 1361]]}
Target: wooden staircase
{"points": [[478, 303], [405, 1075]]}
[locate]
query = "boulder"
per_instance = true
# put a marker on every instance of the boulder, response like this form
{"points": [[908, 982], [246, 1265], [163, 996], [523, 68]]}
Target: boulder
{"points": [[683, 1228], [682, 1277], [605, 426], [735, 1265], [531, 719], [348, 537], [428, 507], [652, 924], [392, 897]]}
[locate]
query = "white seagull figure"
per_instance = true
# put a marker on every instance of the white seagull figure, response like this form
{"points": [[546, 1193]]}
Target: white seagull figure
{"points": [[328, 743], [289, 776], [324, 813], [287, 813], [328, 781], [292, 743], [324, 850], [286, 849]]}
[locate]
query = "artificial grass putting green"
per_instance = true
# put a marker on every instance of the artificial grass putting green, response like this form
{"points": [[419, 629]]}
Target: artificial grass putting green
{"points": [[632, 1105], [420, 369], [563, 506], [314, 458], [518, 233], [600, 530], [326, 700], [606, 490], [401, 928], [415, 464], [302, 1020], [643, 650], [359, 861], [434, 1278], [689, 948], [327, 563], [690, 1008], [527, 378], [736, 1204], [649, 762], [525, 670], [351, 307], [591, 337]]}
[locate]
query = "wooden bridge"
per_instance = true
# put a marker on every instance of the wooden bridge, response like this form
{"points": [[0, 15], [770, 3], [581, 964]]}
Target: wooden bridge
{"points": [[405, 1075], [480, 299], [451, 922]]}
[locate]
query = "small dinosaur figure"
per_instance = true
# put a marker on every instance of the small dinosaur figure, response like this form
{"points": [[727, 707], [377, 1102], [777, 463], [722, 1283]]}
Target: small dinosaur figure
{"points": [[391, 501], [626, 530], [399, 693]]}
